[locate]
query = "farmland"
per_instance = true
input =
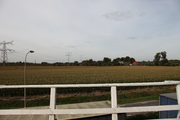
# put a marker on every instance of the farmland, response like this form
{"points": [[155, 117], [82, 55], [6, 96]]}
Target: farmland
{"points": [[86, 75], [14, 75]]}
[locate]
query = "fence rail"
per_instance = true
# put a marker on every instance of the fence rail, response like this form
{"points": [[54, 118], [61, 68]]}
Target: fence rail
{"points": [[114, 110]]}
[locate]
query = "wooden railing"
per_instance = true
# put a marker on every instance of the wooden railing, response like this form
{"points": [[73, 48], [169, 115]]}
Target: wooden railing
{"points": [[114, 110]]}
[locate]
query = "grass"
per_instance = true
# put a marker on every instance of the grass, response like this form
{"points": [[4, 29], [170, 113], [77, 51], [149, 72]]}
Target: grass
{"points": [[10, 104], [129, 96], [140, 99]]}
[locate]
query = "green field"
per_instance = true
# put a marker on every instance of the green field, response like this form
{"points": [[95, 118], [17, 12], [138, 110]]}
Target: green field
{"points": [[14, 75]]}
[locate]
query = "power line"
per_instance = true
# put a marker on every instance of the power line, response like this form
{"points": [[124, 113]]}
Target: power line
{"points": [[4, 57]]}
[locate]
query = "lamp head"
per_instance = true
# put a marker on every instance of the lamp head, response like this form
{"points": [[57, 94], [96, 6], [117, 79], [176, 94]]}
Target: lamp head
{"points": [[31, 51]]}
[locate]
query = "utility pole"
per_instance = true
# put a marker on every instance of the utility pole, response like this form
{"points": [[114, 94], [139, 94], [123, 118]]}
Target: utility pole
{"points": [[69, 54], [4, 50], [81, 56]]}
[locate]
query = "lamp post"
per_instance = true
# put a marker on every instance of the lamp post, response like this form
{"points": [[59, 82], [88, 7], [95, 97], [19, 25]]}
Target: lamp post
{"points": [[25, 78]]}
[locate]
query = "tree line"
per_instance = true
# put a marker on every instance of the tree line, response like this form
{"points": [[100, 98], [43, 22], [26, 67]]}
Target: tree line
{"points": [[105, 62], [160, 59]]}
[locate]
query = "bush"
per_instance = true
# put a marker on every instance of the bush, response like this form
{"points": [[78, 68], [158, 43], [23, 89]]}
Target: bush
{"points": [[166, 64], [172, 64]]}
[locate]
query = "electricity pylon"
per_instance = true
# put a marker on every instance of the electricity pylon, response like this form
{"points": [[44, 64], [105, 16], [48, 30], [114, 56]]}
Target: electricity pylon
{"points": [[68, 54], [4, 57]]}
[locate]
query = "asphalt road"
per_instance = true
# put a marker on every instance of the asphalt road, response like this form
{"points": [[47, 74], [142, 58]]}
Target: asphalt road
{"points": [[146, 103]]}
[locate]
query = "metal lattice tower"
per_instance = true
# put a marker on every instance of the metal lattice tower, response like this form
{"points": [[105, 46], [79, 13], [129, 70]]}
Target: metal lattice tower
{"points": [[4, 57], [68, 54]]}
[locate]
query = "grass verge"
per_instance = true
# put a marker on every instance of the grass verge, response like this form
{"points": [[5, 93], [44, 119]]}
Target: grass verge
{"points": [[123, 97], [132, 100], [10, 104]]}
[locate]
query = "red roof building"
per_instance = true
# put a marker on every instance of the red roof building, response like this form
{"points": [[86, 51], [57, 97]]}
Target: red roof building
{"points": [[135, 63]]}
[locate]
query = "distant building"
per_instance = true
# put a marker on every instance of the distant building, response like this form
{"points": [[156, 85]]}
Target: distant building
{"points": [[127, 63], [124, 63], [135, 64], [121, 62]]}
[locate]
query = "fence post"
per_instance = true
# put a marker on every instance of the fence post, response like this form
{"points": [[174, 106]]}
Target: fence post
{"points": [[52, 102], [178, 98], [114, 101]]}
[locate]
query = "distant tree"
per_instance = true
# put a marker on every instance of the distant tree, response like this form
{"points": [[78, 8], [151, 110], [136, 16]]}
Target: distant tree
{"points": [[127, 59], [106, 61], [85, 62], [116, 62], [119, 59], [164, 60], [157, 58], [90, 62], [99, 63], [132, 60], [122, 59], [76, 63], [44, 63], [160, 56], [163, 55]]}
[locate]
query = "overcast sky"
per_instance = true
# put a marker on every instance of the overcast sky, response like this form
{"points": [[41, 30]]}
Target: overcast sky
{"points": [[90, 29]]}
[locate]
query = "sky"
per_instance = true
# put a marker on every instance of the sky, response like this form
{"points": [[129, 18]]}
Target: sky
{"points": [[89, 29]]}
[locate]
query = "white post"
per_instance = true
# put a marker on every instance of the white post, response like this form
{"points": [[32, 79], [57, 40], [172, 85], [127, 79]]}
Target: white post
{"points": [[52, 102], [178, 98], [114, 101]]}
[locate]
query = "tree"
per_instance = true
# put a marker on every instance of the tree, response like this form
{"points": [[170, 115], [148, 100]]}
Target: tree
{"points": [[162, 56], [164, 60], [122, 59], [132, 60], [76, 63], [127, 59], [90, 62], [157, 58], [85, 62], [107, 61], [99, 63], [116, 62]]}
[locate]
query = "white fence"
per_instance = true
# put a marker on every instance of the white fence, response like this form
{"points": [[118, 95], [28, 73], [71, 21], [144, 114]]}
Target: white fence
{"points": [[114, 110]]}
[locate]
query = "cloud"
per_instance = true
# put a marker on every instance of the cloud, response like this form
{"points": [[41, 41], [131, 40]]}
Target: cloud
{"points": [[73, 46], [119, 16], [147, 37], [122, 16], [131, 38], [141, 14], [56, 47]]}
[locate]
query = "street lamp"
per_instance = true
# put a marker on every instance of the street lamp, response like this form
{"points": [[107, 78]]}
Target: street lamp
{"points": [[25, 78]]}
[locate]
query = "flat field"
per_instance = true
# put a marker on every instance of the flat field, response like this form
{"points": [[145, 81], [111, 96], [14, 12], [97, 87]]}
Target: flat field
{"points": [[14, 75]]}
